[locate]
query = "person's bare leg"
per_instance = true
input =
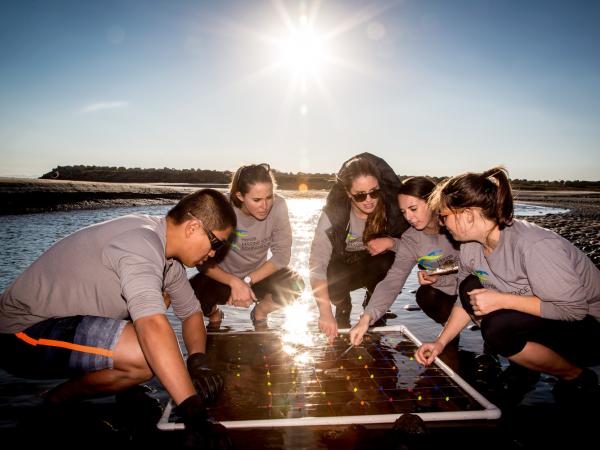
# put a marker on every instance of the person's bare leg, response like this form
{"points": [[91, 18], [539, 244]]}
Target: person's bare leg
{"points": [[540, 358], [215, 315], [266, 306], [130, 369]]}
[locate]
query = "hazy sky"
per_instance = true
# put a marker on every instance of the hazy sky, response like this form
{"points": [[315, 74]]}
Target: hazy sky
{"points": [[434, 87]]}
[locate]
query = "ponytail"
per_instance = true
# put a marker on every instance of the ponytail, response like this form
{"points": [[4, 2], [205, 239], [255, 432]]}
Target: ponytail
{"points": [[490, 191]]}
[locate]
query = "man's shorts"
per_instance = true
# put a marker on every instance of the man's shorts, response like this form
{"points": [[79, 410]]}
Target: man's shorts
{"points": [[61, 347]]}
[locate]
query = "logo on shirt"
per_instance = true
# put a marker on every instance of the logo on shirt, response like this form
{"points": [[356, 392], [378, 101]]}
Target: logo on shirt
{"points": [[481, 274], [241, 233], [351, 237], [428, 260]]}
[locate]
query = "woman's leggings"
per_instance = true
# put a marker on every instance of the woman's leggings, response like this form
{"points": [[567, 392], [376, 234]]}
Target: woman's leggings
{"points": [[507, 331], [435, 303], [285, 286]]}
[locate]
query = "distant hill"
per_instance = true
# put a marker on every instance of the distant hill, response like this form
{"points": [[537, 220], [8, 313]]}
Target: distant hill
{"points": [[189, 176], [285, 180]]}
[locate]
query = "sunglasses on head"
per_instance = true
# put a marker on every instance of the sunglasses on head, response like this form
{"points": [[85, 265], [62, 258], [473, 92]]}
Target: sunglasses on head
{"points": [[362, 196], [216, 244]]}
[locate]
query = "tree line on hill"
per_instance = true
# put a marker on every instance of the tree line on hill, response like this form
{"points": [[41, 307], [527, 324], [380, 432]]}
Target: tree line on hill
{"points": [[285, 180]]}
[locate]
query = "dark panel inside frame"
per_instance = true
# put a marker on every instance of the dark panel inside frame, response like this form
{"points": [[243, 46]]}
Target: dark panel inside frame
{"points": [[267, 379]]}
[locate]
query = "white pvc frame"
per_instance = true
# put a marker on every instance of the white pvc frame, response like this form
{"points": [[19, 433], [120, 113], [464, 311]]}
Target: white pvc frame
{"points": [[489, 412]]}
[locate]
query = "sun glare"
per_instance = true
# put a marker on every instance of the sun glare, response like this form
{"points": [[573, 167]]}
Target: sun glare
{"points": [[303, 52]]}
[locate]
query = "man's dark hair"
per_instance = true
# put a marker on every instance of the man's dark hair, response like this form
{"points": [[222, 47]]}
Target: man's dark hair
{"points": [[208, 205]]}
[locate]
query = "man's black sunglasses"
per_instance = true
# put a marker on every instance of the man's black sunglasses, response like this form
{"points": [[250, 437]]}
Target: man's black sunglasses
{"points": [[362, 196], [215, 243]]}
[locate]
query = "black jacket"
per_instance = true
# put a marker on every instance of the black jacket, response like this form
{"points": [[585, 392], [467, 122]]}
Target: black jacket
{"points": [[337, 206]]}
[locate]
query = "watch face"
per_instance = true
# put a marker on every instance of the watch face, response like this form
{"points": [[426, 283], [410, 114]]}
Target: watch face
{"points": [[247, 280]]}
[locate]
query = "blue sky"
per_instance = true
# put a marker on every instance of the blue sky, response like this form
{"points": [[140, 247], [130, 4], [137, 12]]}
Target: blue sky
{"points": [[434, 87]]}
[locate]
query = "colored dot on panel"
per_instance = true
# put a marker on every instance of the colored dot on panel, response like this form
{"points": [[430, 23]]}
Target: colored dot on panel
{"points": [[342, 366], [412, 358], [447, 398], [366, 366], [237, 374], [419, 398], [362, 403], [329, 402], [409, 389], [323, 393], [268, 383], [372, 376], [359, 356], [269, 393], [391, 399], [355, 389], [347, 377]]}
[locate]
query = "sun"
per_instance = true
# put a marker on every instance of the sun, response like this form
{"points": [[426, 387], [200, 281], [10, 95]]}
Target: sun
{"points": [[303, 52]]}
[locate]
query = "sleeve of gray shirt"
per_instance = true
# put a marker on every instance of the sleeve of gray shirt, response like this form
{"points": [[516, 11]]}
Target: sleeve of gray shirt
{"points": [[281, 239], [320, 250], [388, 289], [137, 257], [555, 281], [183, 299]]}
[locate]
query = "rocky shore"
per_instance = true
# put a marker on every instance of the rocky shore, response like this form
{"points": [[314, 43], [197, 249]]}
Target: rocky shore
{"points": [[581, 225]]}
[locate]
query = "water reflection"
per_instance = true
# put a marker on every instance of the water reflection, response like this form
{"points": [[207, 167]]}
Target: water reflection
{"points": [[23, 238]]}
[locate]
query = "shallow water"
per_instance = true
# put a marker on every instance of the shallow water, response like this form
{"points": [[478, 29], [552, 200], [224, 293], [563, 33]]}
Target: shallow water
{"points": [[23, 238]]}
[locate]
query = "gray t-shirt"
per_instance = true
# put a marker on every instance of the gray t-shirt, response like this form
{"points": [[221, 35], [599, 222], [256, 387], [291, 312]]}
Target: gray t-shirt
{"points": [[115, 269], [415, 247], [254, 238], [321, 248], [530, 260]]}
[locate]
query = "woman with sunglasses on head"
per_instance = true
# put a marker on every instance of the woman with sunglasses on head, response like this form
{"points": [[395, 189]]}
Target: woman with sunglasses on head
{"points": [[353, 237], [244, 275], [425, 243], [534, 294]]}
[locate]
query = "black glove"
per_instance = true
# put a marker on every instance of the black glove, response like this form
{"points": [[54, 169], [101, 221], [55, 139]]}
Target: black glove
{"points": [[207, 382], [201, 432]]}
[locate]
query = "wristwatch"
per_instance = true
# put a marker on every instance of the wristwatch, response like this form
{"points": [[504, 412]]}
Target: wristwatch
{"points": [[248, 280]]}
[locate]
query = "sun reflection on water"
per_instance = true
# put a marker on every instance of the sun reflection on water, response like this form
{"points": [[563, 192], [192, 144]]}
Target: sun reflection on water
{"points": [[296, 330]]}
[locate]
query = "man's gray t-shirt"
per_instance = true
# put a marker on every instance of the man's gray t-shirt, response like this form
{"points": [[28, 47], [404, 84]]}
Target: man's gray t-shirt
{"points": [[114, 269], [530, 260], [254, 238], [321, 248], [431, 251]]}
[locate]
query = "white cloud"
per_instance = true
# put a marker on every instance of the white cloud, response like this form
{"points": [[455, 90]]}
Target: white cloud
{"points": [[93, 107]]}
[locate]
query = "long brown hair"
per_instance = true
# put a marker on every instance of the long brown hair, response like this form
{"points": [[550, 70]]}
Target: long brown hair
{"points": [[247, 176], [490, 191], [357, 167]]}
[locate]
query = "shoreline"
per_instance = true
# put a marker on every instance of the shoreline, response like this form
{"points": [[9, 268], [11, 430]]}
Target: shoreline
{"points": [[580, 225]]}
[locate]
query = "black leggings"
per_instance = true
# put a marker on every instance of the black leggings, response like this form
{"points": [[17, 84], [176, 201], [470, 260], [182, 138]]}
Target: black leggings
{"points": [[507, 331], [365, 272], [285, 286], [435, 303]]}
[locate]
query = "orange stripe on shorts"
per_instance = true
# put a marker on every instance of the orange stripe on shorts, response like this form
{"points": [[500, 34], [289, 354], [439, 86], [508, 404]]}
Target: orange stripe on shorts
{"points": [[67, 345]]}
